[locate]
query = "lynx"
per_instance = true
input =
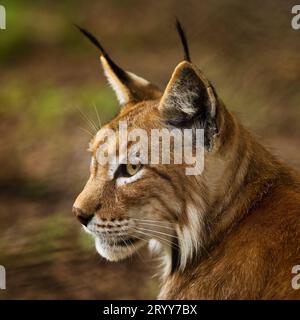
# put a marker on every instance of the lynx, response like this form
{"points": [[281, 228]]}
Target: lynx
{"points": [[232, 232]]}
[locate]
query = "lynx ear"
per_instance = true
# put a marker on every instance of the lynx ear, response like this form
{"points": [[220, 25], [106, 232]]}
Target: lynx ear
{"points": [[190, 100], [127, 86]]}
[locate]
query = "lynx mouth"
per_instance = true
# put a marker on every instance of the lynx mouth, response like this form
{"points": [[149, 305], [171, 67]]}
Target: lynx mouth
{"points": [[125, 242], [118, 248]]}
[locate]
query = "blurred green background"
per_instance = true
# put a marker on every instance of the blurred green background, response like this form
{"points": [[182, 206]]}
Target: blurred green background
{"points": [[48, 72]]}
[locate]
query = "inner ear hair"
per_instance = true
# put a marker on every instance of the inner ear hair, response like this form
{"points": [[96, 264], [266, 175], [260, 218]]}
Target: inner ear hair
{"points": [[190, 101]]}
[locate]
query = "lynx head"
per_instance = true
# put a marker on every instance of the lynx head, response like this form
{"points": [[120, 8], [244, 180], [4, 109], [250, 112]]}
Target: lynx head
{"points": [[126, 205]]}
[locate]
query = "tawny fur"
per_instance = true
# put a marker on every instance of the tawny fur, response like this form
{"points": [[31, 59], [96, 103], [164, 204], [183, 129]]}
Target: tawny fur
{"points": [[237, 224]]}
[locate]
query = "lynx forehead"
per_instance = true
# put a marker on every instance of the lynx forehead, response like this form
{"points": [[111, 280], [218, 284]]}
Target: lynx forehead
{"points": [[219, 233]]}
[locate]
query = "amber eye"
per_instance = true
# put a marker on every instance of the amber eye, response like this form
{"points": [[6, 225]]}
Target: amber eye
{"points": [[132, 169], [127, 170]]}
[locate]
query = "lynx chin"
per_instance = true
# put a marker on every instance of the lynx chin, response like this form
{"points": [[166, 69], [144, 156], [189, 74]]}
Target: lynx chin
{"points": [[232, 232]]}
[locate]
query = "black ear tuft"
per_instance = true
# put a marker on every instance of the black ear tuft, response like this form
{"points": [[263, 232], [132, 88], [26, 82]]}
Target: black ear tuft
{"points": [[127, 86], [92, 38], [183, 41], [117, 70]]}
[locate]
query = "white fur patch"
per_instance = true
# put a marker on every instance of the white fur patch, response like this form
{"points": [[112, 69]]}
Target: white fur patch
{"points": [[120, 89], [115, 83], [138, 80], [115, 253], [155, 246], [189, 235]]}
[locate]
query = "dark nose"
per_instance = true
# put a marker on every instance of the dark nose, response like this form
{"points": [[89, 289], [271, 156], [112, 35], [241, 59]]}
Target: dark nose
{"points": [[83, 217]]}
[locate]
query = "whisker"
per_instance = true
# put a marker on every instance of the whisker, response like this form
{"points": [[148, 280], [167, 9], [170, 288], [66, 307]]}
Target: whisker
{"points": [[89, 125], [163, 240], [139, 238], [136, 250], [162, 233], [124, 242], [89, 121], [148, 220], [156, 225], [98, 117], [86, 131]]}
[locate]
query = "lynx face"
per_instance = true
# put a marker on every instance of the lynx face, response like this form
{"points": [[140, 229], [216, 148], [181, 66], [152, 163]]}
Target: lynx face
{"points": [[125, 206]]}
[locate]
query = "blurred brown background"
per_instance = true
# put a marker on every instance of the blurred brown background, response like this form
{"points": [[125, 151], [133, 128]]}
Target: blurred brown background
{"points": [[48, 70]]}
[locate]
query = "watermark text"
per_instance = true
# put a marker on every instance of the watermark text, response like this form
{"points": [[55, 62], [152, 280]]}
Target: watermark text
{"points": [[296, 278], [157, 146], [296, 19], [2, 278], [2, 18]]}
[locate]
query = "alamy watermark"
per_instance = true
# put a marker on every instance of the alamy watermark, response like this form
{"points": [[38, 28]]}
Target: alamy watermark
{"points": [[155, 146], [296, 19], [2, 278], [2, 17], [296, 279]]}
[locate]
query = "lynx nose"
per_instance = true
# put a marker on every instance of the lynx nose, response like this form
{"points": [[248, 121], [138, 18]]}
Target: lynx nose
{"points": [[83, 217]]}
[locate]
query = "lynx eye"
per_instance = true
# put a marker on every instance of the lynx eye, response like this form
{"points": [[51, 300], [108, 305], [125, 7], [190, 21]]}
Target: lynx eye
{"points": [[128, 170], [132, 169]]}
